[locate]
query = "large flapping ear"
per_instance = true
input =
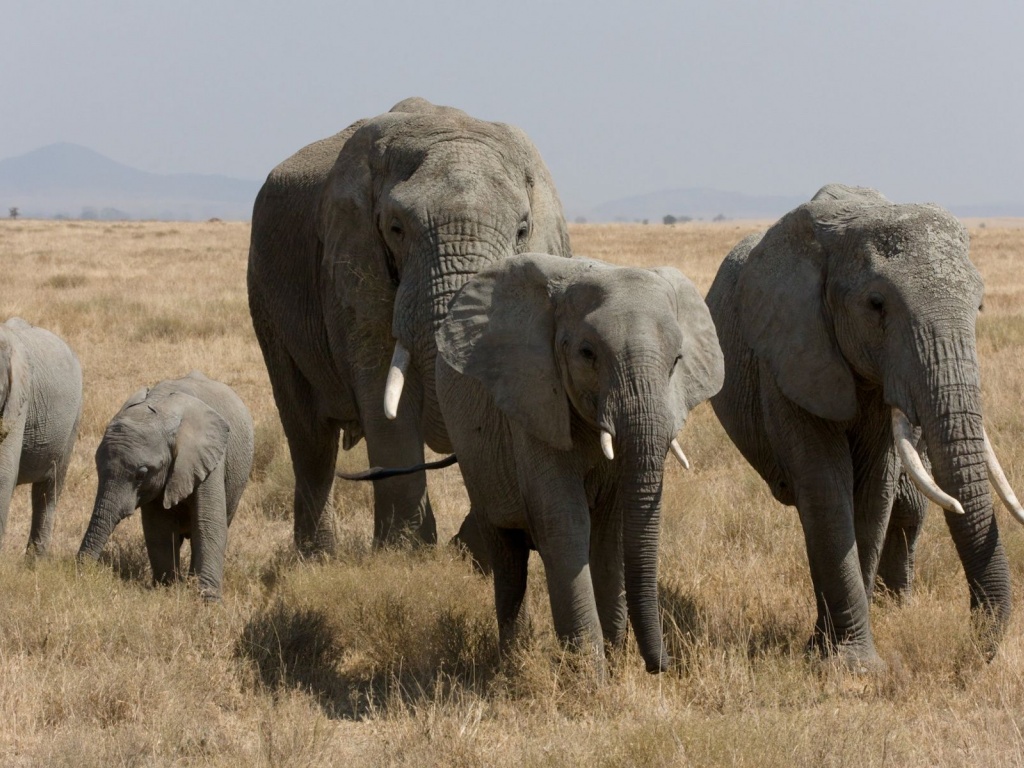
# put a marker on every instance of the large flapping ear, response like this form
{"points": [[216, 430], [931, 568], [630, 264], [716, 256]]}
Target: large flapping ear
{"points": [[198, 446], [348, 230], [500, 331], [136, 398], [700, 372], [548, 233], [782, 312], [14, 381]]}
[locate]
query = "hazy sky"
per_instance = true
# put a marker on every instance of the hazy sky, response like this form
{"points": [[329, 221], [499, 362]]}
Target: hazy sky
{"points": [[923, 99]]}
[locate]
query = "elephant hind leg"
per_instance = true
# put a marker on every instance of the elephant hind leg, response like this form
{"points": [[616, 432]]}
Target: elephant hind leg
{"points": [[44, 503], [896, 565]]}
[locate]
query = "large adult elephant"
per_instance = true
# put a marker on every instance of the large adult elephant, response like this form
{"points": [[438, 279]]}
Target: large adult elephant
{"points": [[848, 330], [359, 241], [564, 383]]}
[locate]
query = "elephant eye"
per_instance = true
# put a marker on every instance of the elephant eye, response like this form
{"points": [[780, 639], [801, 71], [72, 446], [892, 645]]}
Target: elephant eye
{"points": [[396, 229], [674, 364], [876, 301], [587, 353], [141, 472], [523, 232]]}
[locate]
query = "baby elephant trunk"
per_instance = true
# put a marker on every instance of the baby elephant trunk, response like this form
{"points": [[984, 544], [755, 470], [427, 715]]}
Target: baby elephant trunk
{"points": [[106, 514]]}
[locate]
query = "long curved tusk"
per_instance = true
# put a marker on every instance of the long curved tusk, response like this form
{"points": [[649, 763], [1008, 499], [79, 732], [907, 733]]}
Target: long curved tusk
{"points": [[606, 445], [903, 434], [677, 451], [396, 380], [1000, 483]]}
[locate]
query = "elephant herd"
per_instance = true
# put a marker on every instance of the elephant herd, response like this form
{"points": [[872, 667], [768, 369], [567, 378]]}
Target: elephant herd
{"points": [[411, 282]]}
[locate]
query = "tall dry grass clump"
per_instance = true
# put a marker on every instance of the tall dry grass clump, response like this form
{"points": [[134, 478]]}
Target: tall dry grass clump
{"points": [[390, 658]]}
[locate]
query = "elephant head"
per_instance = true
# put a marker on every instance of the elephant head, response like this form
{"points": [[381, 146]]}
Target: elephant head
{"points": [[851, 292], [155, 450], [577, 352], [433, 196]]}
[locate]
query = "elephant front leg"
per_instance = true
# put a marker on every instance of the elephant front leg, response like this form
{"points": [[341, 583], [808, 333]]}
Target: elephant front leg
{"points": [[896, 564], [402, 512], [606, 570], [814, 456], [509, 552], [163, 542], [208, 514]]}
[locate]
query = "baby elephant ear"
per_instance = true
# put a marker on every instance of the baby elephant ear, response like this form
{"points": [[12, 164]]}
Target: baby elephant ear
{"points": [[199, 445]]}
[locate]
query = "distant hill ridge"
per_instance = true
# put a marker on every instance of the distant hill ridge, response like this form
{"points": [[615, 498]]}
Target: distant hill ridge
{"points": [[71, 180]]}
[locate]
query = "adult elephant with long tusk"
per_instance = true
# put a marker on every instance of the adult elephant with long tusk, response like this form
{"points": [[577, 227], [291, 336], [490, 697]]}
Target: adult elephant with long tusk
{"points": [[848, 330], [563, 384], [358, 243]]}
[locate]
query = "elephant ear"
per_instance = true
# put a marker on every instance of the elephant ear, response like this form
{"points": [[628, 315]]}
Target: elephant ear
{"points": [[198, 446], [700, 372], [347, 227], [15, 381], [549, 233], [500, 331], [782, 310], [136, 398]]}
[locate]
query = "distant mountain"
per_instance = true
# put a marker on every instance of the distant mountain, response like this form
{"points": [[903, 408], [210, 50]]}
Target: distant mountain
{"points": [[696, 203], [76, 182]]}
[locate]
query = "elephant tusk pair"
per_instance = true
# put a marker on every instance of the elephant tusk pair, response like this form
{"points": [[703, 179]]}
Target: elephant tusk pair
{"points": [[903, 434], [1000, 483], [609, 451], [396, 380]]}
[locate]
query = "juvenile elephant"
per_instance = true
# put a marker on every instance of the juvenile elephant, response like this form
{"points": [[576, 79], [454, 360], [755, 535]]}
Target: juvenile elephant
{"points": [[563, 384], [359, 241], [848, 330], [40, 407], [182, 451]]}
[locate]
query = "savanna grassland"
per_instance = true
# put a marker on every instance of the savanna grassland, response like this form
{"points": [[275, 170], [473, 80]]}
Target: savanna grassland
{"points": [[389, 658]]}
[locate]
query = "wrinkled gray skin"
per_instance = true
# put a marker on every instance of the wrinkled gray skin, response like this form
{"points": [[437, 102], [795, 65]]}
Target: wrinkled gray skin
{"points": [[538, 355], [182, 452], [848, 306], [361, 239], [40, 407]]}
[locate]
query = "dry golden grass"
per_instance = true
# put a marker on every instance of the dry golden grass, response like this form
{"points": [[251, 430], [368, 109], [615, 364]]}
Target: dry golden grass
{"points": [[390, 658]]}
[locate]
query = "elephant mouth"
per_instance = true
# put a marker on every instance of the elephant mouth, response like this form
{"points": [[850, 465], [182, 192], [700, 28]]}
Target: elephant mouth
{"points": [[906, 439]]}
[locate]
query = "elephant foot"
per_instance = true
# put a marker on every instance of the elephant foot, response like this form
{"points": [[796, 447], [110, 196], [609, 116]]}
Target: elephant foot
{"points": [[860, 658]]}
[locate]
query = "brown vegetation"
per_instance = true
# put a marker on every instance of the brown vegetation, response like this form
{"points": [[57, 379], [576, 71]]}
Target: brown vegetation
{"points": [[390, 658]]}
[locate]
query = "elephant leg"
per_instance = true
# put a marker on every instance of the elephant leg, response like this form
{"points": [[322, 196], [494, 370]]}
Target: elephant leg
{"points": [[44, 504], [606, 570], [402, 512], [208, 514], [163, 542], [10, 459], [509, 552], [876, 470], [471, 538], [313, 445], [814, 456], [896, 565]]}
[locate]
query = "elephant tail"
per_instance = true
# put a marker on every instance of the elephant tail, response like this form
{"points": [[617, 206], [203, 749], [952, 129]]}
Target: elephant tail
{"points": [[380, 473]]}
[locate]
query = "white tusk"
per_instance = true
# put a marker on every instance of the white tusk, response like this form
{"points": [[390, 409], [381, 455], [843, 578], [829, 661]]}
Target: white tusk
{"points": [[606, 445], [1000, 483], [396, 380], [677, 451], [903, 434]]}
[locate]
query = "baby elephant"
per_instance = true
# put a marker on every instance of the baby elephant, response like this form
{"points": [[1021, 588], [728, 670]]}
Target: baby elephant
{"points": [[563, 384], [40, 407], [182, 452]]}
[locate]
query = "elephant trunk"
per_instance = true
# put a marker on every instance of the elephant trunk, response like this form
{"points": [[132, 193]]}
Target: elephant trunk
{"points": [[106, 514], [449, 255], [641, 442], [950, 414]]}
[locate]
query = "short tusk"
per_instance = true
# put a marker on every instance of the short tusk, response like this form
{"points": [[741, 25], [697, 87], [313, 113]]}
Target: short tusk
{"points": [[1000, 483], [903, 434], [606, 445], [677, 451], [396, 380]]}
